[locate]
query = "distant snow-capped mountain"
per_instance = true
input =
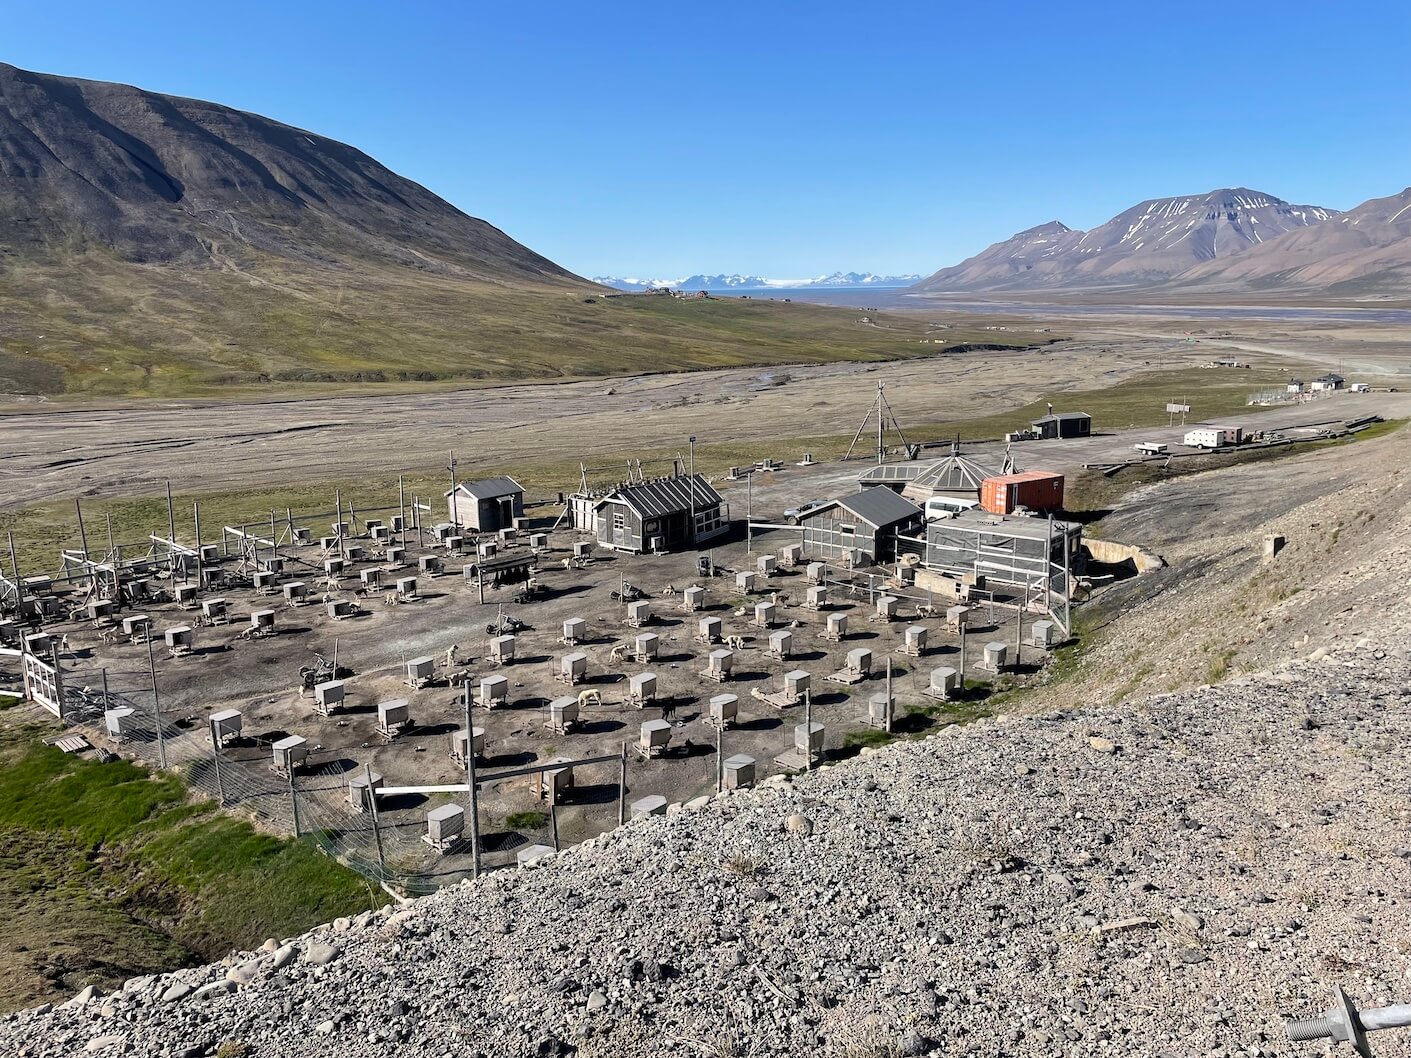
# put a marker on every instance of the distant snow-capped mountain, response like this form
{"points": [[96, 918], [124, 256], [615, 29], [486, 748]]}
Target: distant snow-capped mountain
{"points": [[862, 279], [742, 282]]}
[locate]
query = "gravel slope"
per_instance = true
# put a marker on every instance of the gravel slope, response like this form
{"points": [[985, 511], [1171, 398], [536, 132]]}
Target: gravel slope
{"points": [[1172, 876]]}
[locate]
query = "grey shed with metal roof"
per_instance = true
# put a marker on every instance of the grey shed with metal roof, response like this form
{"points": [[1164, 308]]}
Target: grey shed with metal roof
{"points": [[486, 506], [663, 515], [867, 522]]}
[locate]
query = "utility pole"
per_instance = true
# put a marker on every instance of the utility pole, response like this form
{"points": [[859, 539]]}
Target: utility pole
{"points": [[749, 512], [402, 510], [19, 582], [455, 506], [171, 524], [692, 442], [83, 539]]}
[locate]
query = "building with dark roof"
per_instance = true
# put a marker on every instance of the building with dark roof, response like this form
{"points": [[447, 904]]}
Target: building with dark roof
{"points": [[1327, 383], [663, 515], [485, 506], [1064, 424], [866, 523]]}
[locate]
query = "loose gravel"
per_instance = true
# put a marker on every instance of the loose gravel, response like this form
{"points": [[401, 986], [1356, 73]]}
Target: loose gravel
{"points": [[1172, 876]]}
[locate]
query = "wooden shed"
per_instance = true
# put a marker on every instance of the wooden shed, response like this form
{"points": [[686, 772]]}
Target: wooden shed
{"points": [[485, 506]]}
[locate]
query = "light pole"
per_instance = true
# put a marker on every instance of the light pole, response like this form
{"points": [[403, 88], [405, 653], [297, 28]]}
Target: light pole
{"points": [[692, 441], [455, 507]]}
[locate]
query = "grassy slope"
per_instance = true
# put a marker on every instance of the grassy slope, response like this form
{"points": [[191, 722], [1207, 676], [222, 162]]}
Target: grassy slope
{"points": [[115, 872], [98, 327]]}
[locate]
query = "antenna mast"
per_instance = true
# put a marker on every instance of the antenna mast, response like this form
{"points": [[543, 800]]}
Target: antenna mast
{"points": [[885, 417]]}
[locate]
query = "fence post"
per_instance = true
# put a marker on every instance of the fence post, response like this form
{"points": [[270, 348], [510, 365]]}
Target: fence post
{"points": [[962, 652], [215, 756], [471, 788], [808, 730], [720, 757], [376, 830], [293, 800], [887, 716], [554, 822], [156, 707], [622, 788]]}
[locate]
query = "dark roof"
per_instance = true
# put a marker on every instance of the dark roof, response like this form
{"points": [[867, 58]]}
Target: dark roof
{"points": [[653, 499], [1330, 377], [1059, 416], [877, 507], [489, 488]]}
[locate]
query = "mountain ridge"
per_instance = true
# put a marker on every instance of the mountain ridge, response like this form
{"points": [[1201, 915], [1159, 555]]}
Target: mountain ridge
{"points": [[161, 179], [1152, 241], [735, 281], [1364, 251]]}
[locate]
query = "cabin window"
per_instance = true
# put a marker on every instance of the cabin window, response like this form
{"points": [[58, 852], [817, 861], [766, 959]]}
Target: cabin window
{"points": [[619, 522]]}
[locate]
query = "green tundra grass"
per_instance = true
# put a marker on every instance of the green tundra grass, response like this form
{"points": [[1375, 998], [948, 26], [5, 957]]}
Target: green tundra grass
{"points": [[99, 327], [110, 871]]}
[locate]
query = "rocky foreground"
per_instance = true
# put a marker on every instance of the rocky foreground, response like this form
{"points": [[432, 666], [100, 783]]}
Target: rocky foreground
{"points": [[1173, 876]]}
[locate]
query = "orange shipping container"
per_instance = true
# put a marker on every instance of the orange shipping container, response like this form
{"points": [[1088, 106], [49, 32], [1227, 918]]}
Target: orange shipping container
{"points": [[1038, 490]]}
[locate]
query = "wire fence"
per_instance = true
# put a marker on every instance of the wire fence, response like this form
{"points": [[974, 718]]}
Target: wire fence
{"points": [[316, 803]]}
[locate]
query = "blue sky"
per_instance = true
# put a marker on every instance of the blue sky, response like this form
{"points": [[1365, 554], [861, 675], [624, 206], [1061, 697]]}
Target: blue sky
{"points": [[789, 138]]}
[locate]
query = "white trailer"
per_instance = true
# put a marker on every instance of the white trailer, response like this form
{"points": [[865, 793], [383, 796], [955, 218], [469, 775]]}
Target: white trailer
{"points": [[1214, 436], [1204, 438], [1150, 448]]}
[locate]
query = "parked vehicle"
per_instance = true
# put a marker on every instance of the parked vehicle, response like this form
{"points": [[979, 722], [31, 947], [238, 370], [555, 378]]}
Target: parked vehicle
{"points": [[794, 515]]}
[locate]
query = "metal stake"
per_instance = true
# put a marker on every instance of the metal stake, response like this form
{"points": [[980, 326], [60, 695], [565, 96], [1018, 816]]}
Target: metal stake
{"points": [[554, 822], [1346, 1024]]}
